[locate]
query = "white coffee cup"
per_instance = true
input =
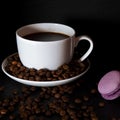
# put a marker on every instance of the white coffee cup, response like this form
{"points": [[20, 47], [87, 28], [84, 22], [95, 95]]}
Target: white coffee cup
{"points": [[49, 54]]}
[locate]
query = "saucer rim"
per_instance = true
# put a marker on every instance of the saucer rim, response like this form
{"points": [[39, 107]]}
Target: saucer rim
{"points": [[42, 83]]}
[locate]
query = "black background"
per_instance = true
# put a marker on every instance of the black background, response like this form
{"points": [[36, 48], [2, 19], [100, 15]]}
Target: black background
{"points": [[100, 19]]}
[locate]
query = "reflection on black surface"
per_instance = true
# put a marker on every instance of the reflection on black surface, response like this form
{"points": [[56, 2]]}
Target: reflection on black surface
{"points": [[80, 97]]}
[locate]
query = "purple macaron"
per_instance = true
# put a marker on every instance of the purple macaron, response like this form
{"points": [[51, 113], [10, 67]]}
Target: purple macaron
{"points": [[109, 85]]}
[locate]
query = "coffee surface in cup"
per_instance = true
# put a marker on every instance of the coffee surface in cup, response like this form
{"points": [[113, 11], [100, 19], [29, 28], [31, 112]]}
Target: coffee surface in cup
{"points": [[45, 36]]}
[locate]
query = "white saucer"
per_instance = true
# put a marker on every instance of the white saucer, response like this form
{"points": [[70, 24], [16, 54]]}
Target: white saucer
{"points": [[42, 83]]}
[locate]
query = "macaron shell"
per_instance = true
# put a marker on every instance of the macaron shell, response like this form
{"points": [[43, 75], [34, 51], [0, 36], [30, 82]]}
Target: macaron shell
{"points": [[111, 96], [109, 82]]}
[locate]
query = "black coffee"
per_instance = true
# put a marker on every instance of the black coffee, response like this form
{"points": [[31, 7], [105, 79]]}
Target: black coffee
{"points": [[46, 36]]}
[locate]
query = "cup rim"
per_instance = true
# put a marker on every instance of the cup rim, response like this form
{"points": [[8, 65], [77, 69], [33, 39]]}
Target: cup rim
{"points": [[20, 32]]}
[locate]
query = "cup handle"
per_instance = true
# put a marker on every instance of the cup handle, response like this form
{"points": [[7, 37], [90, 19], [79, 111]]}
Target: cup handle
{"points": [[78, 39]]}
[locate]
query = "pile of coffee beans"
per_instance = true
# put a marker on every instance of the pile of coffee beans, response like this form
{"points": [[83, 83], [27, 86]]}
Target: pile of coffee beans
{"points": [[15, 68], [73, 101], [49, 103]]}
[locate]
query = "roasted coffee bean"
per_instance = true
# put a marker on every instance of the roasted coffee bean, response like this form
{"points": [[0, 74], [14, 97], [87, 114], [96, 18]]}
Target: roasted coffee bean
{"points": [[86, 98], [78, 100], [48, 113], [50, 101], [12, 117], [101, 104], [57, 95], [93, 91], [63, 102], [62, 112], [2, 88], [65, 98], [3, 111], [15, 68]]}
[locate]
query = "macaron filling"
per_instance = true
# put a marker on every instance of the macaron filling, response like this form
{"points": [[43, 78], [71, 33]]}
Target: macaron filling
{"points": [[112, 95]]}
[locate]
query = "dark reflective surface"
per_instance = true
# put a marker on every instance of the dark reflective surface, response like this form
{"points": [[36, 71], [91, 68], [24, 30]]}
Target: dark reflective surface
{"points": [[99, 20]]}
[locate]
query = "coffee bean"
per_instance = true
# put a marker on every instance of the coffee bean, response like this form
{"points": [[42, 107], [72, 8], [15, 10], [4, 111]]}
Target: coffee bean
{"points": [[12, 117], [62, 112], [77, 100], [65, 71], [2, 88], [63, 102], [57, 95], [65, 98], [3, 111], [86, 98], [101, 104], [49, 102]]}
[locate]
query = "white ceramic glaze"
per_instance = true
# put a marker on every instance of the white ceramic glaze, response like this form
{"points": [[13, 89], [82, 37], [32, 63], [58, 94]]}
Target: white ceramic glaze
{"points": [[48, 54], [42, 83]]}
